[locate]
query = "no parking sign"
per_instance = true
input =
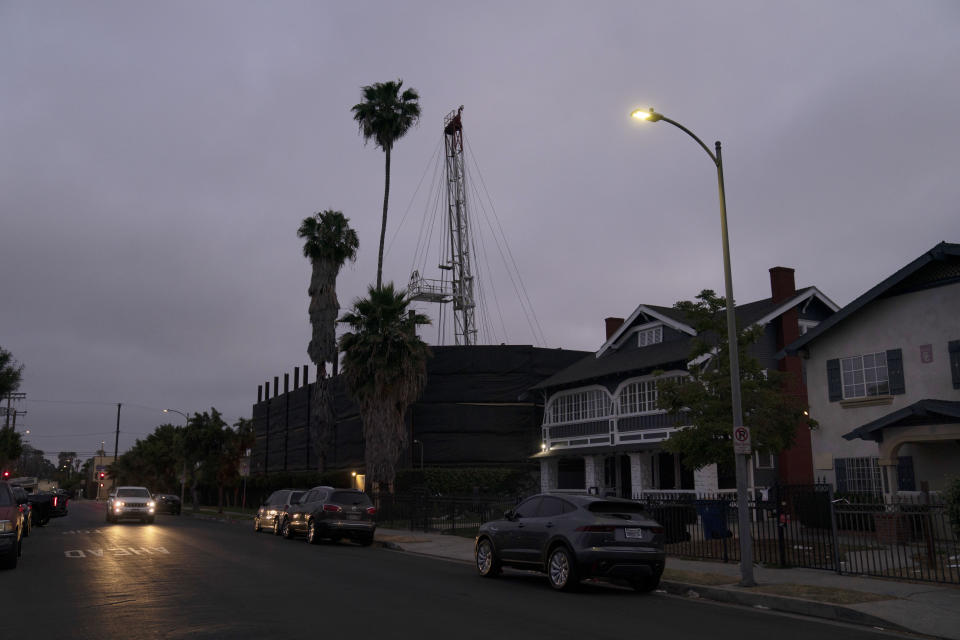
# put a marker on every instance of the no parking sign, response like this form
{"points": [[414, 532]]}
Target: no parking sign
{"points": [[741, 440]]}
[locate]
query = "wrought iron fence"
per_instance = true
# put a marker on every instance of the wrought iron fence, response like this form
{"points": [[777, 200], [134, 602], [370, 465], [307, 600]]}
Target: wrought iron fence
{"points": [[422, 511], [808, 526]]}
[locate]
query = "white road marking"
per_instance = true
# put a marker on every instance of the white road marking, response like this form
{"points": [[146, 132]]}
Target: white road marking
{"points": [[116, 551]]}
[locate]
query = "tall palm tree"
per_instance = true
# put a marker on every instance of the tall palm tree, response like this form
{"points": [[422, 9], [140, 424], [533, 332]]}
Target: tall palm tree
{"points": [[328, 242], [385, 116], [385, 364]]}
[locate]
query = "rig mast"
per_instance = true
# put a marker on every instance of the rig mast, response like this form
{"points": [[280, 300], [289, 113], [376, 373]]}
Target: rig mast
{"points": [[460, 291]]}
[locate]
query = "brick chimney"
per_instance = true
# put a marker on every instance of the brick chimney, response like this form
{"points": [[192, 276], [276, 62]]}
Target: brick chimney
{"points": [[782, 285], [612, 325]]}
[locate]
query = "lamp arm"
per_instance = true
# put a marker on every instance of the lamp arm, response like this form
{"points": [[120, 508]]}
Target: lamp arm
{"points": [[694, 136]]}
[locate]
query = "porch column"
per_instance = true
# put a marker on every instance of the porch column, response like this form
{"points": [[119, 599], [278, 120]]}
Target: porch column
{"points": [[889, 470], [549, 471], [639, 473], [593, 472]]}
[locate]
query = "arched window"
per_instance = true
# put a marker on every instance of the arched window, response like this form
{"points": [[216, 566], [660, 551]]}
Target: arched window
{"points": [[578, 406]]}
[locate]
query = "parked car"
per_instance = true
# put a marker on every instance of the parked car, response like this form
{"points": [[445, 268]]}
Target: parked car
{"points": [[325, 512], [278, 503], [23, 503], [11, 528], [167, 503], [572, 537], [131, 502]]}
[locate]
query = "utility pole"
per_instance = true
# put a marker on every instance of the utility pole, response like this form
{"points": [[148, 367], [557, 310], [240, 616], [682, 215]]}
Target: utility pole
{"points": [[116, 443]]}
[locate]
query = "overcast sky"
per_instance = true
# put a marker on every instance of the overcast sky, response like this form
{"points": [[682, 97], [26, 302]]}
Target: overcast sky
{"points": [[156, 160]]}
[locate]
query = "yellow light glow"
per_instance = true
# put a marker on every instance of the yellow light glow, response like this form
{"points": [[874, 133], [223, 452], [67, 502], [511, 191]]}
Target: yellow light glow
{"points": [[640, 114]]}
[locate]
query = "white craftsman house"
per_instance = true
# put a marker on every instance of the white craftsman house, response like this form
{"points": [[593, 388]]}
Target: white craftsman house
{"points": [[883, 379], [602, 430]]}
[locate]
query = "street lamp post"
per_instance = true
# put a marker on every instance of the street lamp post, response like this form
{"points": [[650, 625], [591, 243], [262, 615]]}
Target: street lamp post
{"points": [[183, 475], [740, 435]]}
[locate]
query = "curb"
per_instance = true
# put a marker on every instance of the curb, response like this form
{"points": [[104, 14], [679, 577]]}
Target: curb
{"points": [[786, 604]]}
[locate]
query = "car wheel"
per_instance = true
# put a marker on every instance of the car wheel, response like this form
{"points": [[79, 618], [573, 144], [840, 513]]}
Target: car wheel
{"points": [[646, 584], [276, 526], [285, 529], [561, 570], [312, 537], [256, 524], [487, 562]]}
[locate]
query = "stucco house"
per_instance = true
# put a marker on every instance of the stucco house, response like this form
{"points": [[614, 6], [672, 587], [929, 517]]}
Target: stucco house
{"points": [[883, 379], [602, 430]]}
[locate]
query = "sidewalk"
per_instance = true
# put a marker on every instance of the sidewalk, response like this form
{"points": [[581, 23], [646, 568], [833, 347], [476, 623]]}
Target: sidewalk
{"points": [[923, 608]]}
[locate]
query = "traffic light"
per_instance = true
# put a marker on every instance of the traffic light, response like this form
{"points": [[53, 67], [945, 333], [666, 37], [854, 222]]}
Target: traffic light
{"points": [[102, 475], [6, 474]]}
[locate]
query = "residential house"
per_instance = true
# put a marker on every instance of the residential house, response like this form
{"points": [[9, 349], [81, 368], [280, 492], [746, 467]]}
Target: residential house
{"points": [[883, 375], [602, 429]]}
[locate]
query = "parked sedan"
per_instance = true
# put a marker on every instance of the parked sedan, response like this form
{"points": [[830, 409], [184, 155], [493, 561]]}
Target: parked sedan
{"points": [[167, 503], [572, 537], [277, 504], [331, 513]]}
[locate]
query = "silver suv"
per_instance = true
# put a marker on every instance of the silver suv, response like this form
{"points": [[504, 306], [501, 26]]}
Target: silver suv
{"points": [[131, 502]]}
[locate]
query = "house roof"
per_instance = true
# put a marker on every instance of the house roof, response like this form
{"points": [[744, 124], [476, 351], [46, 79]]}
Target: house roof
{"points": [[609, 361], [912, 277], [919, 413]]}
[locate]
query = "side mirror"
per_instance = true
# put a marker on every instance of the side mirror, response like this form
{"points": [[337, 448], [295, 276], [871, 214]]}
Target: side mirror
{"points": [[510, 515]]}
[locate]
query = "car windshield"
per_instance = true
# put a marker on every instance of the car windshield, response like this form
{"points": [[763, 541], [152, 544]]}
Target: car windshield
{"points": [[133, 493], [295, 496]]}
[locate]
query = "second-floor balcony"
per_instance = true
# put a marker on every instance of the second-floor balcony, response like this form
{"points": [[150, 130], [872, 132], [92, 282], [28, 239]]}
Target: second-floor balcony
{"points": [[612, 431]]}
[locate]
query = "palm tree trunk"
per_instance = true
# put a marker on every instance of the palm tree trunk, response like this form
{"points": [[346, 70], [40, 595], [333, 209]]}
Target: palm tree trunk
{"points": [[383, 225]]}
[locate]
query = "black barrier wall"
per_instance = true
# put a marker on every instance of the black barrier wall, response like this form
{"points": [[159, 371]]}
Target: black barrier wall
{"points": [[471, 413]]}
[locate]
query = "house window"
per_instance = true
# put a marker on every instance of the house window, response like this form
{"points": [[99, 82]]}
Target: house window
{"points": [[639, 397], [579, 406], [653, 335], [858, 475], [765, 460], [865, 375]]}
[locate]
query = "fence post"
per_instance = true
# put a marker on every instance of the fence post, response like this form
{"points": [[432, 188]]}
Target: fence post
{"points": [[781, 526], [834, 542]]}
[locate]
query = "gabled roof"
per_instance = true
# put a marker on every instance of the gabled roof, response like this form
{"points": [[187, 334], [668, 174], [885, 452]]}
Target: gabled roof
{"points": [[638, 361], [907, 279], [667, 315], [673, 354], [919, 413]]}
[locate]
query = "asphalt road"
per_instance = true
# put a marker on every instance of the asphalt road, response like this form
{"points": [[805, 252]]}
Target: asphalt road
{"points": [[186, 577]]}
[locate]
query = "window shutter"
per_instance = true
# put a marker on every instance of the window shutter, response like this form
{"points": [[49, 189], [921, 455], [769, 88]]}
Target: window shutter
{"points": [[834, 384], [895, 371], [955, 362]]}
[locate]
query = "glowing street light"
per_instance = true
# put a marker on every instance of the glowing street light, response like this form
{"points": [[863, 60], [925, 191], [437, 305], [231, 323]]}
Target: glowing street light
{"points": [[741, 435]]}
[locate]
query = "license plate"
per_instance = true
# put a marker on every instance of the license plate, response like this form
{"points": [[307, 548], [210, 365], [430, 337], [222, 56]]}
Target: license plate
{"points": [[353, 516], [633, 534]]}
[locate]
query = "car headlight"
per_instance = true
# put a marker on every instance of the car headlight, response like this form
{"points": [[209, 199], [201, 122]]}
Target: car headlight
{"points": [[118, 504], [271, 513], [7, 526], [151, 504]]}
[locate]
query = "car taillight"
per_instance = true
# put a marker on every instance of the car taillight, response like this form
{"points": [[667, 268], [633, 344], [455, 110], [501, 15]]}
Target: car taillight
{"points": [[597, 528], [371, 510], [54, 500], [332, 507], [655, 529]]}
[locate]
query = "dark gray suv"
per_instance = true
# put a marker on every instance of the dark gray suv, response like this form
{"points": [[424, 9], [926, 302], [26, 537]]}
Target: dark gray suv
{"points": [[270, 513], [572, 537], [326, 512]]}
